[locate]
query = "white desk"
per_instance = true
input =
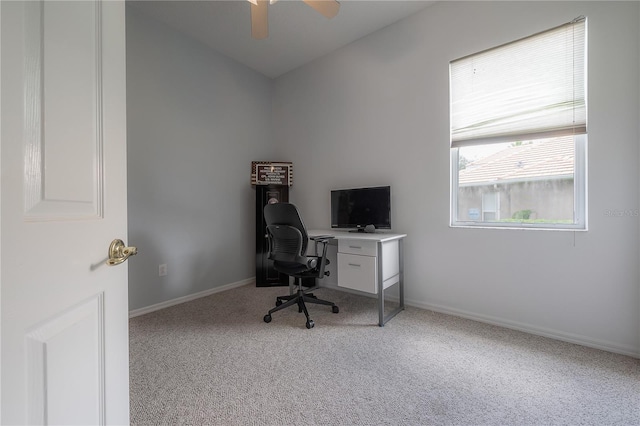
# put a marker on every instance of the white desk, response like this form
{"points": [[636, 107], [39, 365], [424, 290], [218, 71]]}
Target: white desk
{"points": [[370, 262]]}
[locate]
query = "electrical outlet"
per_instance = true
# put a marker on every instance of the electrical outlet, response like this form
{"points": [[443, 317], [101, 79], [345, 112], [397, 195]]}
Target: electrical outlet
{"points": [[162, 269]]}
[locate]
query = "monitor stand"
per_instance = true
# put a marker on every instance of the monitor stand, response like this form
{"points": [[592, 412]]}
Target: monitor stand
{"points": [[370, 229]]}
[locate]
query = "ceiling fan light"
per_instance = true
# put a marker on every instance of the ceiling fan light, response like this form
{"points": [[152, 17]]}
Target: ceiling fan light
{"points": [[255, 2]]}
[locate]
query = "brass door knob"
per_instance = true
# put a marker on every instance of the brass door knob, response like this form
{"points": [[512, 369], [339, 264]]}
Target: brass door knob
{"points": [[118, 252]]}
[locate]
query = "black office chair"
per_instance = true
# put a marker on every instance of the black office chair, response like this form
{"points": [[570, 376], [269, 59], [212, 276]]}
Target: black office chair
{"points": [[288, 241]]}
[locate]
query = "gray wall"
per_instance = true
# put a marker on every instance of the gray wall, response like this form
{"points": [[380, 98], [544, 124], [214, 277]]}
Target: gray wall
{"points": [[377, 112], [196, 120]]}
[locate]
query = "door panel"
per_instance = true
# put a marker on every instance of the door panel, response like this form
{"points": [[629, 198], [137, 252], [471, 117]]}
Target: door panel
{"points": [[65, 366], [63, 176], [64, 312]]}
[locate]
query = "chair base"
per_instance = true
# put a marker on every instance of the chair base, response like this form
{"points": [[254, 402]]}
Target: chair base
{"points": [[299, 298]]}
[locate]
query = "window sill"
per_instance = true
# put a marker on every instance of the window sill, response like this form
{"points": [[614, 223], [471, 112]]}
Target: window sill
{"points": [[519, 226]]}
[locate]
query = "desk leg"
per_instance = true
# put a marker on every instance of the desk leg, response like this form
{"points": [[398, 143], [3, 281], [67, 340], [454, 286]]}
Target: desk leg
{"points": [[401, 277], [381, 318]]}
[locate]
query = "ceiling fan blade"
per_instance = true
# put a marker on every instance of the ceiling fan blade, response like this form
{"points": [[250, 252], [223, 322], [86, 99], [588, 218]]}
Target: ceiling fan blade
{"points": [[328, 8], [259, 19]]}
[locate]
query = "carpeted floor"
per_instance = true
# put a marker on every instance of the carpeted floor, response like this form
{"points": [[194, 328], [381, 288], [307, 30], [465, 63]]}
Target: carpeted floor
{"points": [[213, 361]]}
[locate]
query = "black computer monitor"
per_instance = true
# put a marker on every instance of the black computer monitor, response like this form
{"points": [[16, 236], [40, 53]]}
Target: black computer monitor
{"points": [[358, 208]]}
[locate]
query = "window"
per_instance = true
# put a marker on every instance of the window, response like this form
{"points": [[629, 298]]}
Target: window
{"points": [[519, 133], [490, 206]]}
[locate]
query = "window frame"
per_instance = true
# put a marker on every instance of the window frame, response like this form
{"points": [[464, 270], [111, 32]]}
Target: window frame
{"points": [[579, 196], [578, 132]]}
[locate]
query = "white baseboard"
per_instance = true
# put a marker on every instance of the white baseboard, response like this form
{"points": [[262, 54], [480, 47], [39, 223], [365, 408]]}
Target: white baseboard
{"points": [[188, 298], [514, 325], [527, 328]]}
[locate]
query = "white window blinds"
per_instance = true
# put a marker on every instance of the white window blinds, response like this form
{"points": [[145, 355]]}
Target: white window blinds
{"points": [[528, 89]]}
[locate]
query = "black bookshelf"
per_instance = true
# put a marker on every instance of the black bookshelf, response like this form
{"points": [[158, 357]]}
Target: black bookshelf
{"points": [[266, 276]]}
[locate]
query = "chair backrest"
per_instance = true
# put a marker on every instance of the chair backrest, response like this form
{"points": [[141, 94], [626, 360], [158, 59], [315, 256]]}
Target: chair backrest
{"points": [[285, 245], [287, 214]]}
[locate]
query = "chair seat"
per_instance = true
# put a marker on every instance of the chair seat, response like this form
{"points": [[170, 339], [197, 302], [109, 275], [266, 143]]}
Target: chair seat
{"points": [[295, 269]]}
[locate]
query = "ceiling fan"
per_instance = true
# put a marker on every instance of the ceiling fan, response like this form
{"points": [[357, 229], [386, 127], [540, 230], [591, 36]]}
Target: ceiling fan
{"points": [[260, 22]]}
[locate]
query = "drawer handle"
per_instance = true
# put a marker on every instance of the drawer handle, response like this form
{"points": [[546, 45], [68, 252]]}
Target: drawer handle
{"points": [[355, 247], [354, 264]]}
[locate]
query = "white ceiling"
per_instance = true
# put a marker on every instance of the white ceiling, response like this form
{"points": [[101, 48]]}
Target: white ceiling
{"points": [[297, 33]]}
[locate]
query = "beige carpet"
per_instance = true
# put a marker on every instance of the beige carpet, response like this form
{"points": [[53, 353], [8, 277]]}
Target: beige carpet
{"points": [[214, 361]]}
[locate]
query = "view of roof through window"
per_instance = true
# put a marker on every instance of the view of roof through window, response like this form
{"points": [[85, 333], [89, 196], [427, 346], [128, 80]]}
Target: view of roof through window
{"points": [[517, 161], [517, 182]]}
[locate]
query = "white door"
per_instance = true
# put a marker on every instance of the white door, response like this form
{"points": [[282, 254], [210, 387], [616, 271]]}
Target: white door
{"points": [[64, 319]]}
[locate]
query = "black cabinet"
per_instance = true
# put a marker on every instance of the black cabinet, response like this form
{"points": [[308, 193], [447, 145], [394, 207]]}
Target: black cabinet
{"points": [[266, 276]]}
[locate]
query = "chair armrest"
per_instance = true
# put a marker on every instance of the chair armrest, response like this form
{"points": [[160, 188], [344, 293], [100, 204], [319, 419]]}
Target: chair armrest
{"points": [[322, 238], [322, 257]]}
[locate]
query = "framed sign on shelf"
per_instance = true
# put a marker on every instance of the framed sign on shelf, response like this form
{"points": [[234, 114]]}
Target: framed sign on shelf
{"points": [[271, 173]]}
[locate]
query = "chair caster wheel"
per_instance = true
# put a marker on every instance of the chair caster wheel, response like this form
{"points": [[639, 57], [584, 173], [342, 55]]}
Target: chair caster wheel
{"points": [[278, 302], [310, 324], [335, 309], [267, 318]]}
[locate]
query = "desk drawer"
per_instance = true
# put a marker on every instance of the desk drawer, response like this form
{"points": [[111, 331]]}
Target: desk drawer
{"points": [[362, 247], [357, 272]]}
